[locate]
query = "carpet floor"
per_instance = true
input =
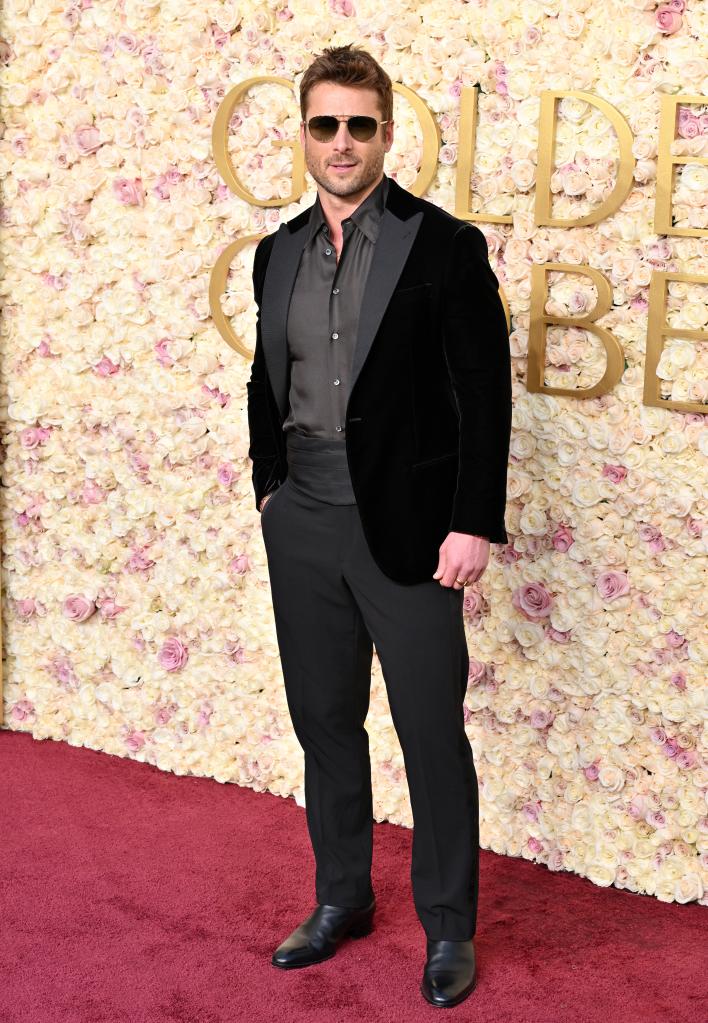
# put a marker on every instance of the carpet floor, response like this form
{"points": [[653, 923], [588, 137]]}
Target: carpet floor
{"points": [[133, 895]]}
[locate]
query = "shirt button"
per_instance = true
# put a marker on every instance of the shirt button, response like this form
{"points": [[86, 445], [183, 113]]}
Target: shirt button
{"points": [[335, 336], [328, 252], [336, 381], [338, 429], [335, 291]]}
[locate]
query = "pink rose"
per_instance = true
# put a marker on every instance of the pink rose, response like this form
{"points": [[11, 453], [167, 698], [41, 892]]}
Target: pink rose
{"points": [[472, 603], [62, 670], [239, 565], [562, 539], [668, 19], [694, 527], [164, 714], [540, 718], [674, 640], [91, 493], [139, 561], [686, 759], [22, 710], [556, 636], [25, 608], [32, 436], [173, 655], [135, 740], [532, 600], [129, 193], [204, 715], [109, 609], [138, 461], [234, 651], [651, 536], [127, 42], [612, 585], [87, 138], [678, 679], [163, 356], [476, 671], [105, 368], [638, 807], [226, 474], [531, 811], [614, 473], [592, 772], [534, 845], [689, 127], [78, 608], [222, 398], [670, 748], [555, 860]]}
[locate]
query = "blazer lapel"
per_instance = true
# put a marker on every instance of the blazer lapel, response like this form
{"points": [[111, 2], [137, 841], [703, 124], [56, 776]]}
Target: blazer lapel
{"points": [[277, 289], [393, 244]]}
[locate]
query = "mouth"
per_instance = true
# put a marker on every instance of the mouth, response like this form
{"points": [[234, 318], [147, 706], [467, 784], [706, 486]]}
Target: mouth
{"points": [[341, 168]]}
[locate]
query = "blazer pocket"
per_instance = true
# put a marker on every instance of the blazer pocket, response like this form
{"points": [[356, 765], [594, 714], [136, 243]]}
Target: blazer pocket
{"points": [[412, 289], [434, 460]]}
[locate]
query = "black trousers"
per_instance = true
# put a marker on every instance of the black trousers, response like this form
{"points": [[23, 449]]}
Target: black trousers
{"points": [[331, 604]]}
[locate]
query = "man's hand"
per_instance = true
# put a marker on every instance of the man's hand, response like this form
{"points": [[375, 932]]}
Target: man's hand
{"points": [[463, 559]]}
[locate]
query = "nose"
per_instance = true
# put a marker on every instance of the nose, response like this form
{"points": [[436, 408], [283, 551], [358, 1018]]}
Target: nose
{"points": [[342, 140]]}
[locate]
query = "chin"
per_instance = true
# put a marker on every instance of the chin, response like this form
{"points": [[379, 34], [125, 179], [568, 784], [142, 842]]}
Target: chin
{"points": [[349, 184]]}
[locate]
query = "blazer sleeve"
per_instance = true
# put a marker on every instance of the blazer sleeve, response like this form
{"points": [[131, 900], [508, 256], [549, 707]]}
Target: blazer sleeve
{"points": [[262, 447], [476, 344]]}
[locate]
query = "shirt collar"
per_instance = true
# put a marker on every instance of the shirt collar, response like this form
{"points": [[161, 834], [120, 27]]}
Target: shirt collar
{"points": [[367, 216]]}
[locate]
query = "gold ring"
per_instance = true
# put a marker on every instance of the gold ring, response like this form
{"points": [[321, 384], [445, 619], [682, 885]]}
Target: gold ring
{"points": [[462, 582]]}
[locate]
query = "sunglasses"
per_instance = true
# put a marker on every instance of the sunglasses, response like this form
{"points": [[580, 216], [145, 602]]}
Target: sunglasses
{"points": [[324, 127]]}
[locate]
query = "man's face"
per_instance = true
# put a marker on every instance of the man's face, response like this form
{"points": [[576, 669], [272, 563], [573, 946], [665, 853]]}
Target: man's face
{"points": [[345, 167]]}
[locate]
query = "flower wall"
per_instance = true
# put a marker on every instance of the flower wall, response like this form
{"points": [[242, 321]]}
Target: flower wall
{"points": [[136, 603]]}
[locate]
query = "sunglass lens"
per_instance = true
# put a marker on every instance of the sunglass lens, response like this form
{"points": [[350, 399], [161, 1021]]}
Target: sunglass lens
{"points": [[362, 128], [323, 128]]}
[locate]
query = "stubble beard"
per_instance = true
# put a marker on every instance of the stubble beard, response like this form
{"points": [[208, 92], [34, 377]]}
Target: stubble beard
{"points": [[363, 175]]}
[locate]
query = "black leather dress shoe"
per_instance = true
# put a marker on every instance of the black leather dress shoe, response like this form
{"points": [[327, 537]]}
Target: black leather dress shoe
{"points": [[450, 972], [318, 936]]}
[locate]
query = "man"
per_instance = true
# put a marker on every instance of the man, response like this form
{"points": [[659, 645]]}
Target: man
{"points": [[379, 409]]}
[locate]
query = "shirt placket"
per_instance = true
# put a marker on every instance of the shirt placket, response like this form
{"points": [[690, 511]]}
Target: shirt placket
{"points": [[336, 347]]}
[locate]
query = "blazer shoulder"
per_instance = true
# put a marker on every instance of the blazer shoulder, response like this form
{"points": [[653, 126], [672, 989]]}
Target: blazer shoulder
{"points": [[265, 245], [447, 223]]}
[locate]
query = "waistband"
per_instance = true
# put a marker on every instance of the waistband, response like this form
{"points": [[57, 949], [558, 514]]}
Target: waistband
{"points": [[318, 467]]}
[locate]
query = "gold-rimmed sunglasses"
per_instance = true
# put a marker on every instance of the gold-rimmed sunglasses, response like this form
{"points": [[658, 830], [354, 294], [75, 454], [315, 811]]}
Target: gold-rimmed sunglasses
{"points": [[323, 127]]}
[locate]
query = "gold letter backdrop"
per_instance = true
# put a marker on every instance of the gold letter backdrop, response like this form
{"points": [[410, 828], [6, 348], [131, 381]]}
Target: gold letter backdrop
{"points": [[137, 607]]}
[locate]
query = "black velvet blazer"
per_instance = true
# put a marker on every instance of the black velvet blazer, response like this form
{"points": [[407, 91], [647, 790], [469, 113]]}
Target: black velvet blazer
{"points": [[428, 421]]}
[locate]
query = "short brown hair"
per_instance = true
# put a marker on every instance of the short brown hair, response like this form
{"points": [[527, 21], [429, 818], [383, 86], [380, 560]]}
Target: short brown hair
{"points": [[348, 65]]}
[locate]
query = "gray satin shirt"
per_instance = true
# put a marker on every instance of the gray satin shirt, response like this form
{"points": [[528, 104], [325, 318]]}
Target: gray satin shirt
{"points": [[323, 317]]}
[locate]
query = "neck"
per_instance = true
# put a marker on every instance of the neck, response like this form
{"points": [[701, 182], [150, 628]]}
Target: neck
{"points": [[337, 208]]}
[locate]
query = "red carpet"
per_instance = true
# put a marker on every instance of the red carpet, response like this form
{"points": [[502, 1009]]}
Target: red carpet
{"points": [[130, 895]]}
